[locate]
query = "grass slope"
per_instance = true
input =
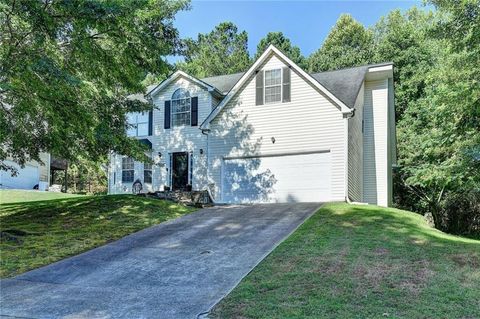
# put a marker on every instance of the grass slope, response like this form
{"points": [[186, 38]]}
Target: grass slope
{"points": [[362, 262], [38, 233], [8, 196]]}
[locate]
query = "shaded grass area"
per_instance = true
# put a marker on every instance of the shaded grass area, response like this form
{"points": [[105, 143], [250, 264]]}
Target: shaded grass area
{"points": [[351, 261], [8, 196], [38, 233]]}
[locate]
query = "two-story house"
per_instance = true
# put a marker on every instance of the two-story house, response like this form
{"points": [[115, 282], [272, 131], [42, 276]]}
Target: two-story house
{"points": [[274, 133]]}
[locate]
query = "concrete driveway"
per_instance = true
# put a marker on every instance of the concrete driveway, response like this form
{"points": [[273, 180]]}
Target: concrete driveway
{"points": [[178, 269]]}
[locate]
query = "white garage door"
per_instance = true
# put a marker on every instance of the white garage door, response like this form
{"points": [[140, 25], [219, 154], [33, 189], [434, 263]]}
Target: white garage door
{"points": [[270, 179], [26, 178]]}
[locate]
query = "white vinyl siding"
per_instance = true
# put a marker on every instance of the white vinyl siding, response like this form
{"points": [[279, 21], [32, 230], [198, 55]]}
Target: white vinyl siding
{"points": [[392, 140], [116, 186], [215, 102], [309, 123], [355, 150], [183, 138], [375, 144]]}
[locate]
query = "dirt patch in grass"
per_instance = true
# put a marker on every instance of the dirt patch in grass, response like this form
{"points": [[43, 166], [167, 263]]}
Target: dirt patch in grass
{"points": [[418, 275], [464, 260], [381, 251], [371, 276], [350, 261], [338, 263], [330, 264]]}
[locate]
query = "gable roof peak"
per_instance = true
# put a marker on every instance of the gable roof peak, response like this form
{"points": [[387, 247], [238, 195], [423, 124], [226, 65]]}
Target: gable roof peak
{"points": [[272, 49], [177, 74]]}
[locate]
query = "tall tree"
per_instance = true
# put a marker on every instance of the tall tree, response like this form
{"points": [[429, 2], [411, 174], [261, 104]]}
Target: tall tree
{"points": [[283, 43], [348, 44], [439, 137], [222, 51], [405, 40], [66, 68]]}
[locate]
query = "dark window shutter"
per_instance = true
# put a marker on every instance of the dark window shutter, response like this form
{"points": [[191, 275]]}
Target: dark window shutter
{"points": [[150, 123], [259, 88], [167, 115], [194, 112], [286, 84]]}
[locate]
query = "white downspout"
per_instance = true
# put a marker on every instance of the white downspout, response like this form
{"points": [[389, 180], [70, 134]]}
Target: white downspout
{"points": [[347, 116], [207, 154]]}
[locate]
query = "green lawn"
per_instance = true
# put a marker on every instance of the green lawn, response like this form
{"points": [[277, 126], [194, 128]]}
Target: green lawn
{"points": [[17, 196], [351, 261], [37, 233]]}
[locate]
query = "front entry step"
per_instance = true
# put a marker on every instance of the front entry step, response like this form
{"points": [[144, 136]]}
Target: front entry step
{"points": [[191, 198]]}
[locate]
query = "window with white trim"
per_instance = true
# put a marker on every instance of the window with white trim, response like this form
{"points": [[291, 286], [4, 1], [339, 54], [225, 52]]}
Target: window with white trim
{"points": [[138, 124], [181, 107], [127, 169], [147, 173], [273, 86]]}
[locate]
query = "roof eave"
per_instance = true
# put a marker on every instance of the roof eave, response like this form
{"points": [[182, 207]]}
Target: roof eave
{"points": [[381, 71]]}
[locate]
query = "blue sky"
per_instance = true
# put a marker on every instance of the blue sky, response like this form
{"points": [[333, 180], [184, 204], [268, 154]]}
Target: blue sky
{"points": [[306, 23]]}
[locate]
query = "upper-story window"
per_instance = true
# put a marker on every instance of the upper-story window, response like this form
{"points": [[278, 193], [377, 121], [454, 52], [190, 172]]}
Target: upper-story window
{"points": [[139, 124], [273, 86], [181, 108]]}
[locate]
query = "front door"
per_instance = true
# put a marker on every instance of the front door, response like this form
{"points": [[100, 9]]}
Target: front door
{"points": [[179, 171]]}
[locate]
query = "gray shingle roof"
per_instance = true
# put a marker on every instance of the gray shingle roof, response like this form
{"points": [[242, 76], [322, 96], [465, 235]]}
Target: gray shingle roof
{"points": [[344, 83], [223, 83]]}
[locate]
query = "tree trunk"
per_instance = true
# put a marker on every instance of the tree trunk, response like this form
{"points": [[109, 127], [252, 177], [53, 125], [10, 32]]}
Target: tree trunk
{"points": [[66, 179], [437, 215]]}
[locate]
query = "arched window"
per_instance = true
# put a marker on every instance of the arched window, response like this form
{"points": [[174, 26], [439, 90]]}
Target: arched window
{"points": [[181, 107]]}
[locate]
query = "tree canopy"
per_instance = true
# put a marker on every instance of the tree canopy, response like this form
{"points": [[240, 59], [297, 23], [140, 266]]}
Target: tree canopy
{"points": [[348, 44], [436, 55], [279, 40], [405, 40], [66, 68], [439, 134], [222, 51]]}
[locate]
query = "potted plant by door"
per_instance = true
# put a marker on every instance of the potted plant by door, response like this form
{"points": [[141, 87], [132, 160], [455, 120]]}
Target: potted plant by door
{"points": [[166, 188], [188, 188]]}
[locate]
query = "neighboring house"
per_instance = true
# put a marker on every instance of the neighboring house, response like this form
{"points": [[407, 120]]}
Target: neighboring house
{"points": [[272, 134], [34, 175]]}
